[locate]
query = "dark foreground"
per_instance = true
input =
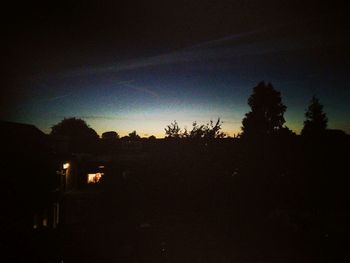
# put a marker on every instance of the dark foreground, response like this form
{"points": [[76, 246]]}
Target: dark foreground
{"points": [[169, 230], [282, 203], [139, 225]]}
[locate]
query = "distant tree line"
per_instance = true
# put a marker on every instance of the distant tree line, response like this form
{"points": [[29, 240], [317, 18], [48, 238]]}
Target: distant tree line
{"points": [[265, 119]]}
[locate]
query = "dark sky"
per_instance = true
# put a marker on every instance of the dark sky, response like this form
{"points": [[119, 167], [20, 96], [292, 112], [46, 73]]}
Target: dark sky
{"points": [[132, 65]]}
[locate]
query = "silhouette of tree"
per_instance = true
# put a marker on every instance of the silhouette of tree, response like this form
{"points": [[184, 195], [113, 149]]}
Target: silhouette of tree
{"points": [[208, 131], [133, 136], [197, 131], [74, 128], [152, 137], [213, 131], [110, 135], [285, 132], [266, 115], [316, 119], [173, 130]]}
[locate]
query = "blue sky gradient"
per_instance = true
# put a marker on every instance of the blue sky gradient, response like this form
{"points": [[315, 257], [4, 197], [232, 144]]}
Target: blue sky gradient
{"points": [[123, 88]]}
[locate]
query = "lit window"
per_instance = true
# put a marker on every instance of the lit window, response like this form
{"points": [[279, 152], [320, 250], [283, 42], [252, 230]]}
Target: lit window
{"points": [[94, 178]]}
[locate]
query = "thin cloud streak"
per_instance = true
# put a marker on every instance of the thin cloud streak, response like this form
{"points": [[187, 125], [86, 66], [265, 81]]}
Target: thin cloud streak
{"points": [[205, 55], [55, 98], [193, 53], [214, 50], [235, 37], [141, 89]]}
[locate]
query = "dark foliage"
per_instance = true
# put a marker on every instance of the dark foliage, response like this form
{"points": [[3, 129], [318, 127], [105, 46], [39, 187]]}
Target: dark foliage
{"points": [[266, 115], [208, 131], [74, 128], [173, 131], [110, 135], [133, 136], [79, 136], [316, 120]]}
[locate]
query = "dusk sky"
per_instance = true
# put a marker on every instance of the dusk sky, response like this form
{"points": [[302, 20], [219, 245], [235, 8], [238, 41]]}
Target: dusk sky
{"points": [[140, 66]]}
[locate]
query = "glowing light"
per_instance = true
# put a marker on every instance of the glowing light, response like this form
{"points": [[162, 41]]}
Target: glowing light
{"points": [[35, 221], [101, 166], [66, 165], [94, 178], [45, 221]]}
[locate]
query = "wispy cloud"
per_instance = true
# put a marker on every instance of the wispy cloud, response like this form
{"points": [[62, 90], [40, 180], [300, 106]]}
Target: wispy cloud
{"points": [[248, 43], [230, 38], [58, 97], [130, 84], [54, 98], [125, 82], [199, 52], [204, 55], [147, 91]]}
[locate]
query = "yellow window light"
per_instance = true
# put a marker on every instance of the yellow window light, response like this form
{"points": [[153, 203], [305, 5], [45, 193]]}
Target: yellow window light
{"points": [[94, 178]]}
